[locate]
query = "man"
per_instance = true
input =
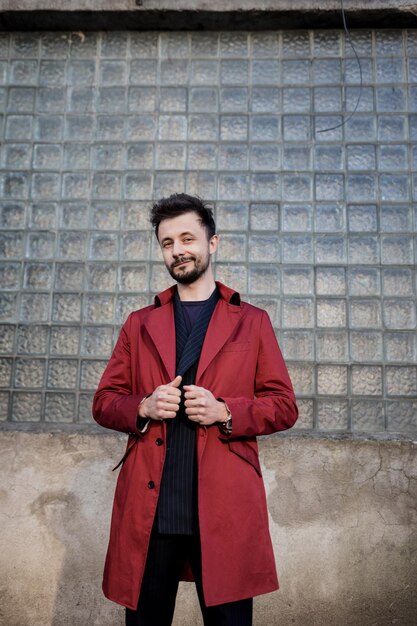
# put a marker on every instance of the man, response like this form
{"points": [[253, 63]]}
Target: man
{"points": [[193, 380]]}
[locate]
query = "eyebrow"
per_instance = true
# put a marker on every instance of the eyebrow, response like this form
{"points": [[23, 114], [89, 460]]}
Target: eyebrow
{"points": [[181, 235]]}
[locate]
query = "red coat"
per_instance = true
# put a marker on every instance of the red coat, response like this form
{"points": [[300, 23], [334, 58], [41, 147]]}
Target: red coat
{"points": [[241, 363]]}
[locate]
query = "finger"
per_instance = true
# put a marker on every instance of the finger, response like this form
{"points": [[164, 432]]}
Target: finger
{"points": [[194, 412], [176, 382]]}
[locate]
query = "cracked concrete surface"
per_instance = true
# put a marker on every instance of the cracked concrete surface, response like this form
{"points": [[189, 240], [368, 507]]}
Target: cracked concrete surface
{"points": [[343, 518]]}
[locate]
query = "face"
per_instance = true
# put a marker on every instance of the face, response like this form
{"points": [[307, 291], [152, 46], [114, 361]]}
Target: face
{"points": [[185, 247]]}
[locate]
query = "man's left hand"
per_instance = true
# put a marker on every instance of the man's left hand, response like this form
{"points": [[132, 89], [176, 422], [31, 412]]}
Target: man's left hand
{"points": [[202, 407]]}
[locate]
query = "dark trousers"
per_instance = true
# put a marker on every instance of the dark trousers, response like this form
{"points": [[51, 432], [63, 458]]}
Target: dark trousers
{"points": [[166, 557]]}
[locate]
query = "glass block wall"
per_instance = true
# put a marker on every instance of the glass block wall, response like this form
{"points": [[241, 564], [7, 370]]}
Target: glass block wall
{"points": [[316, 218]]}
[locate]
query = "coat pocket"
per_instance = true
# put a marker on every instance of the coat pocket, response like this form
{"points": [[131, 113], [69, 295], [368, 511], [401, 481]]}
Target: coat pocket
{"points": [[248, 451], [236, 346]]}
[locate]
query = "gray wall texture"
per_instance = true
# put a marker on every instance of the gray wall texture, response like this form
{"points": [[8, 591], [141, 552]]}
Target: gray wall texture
{"points": [[316, 218]]}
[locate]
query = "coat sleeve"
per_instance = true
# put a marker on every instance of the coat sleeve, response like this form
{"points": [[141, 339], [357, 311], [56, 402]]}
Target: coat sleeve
{"points": [[115, 406], [273, 407]]}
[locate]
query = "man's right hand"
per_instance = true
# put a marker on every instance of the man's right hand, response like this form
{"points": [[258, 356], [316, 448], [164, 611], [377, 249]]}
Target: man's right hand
{"points": [[163, 403]]}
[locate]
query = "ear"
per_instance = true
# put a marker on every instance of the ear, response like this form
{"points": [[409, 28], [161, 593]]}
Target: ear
{"points": [[213, 243]]}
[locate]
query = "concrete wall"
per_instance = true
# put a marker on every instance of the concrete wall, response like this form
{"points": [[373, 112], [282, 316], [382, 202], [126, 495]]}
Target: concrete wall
{"points": [[342, 517]]}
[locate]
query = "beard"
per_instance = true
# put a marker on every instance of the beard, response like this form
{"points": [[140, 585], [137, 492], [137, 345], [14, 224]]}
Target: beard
{"points": [[187, 277]]}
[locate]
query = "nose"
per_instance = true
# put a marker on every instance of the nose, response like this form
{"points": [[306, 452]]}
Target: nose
{"points": [[177, 249]]}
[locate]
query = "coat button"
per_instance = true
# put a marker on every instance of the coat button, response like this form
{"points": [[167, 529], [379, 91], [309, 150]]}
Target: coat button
{"points": [[159, 441], [151, 484]]}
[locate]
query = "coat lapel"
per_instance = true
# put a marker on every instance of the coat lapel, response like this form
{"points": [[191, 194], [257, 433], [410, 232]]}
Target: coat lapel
{"points": [[161, 328], [223, 322]]}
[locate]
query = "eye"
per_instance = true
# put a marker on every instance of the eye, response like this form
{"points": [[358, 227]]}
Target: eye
{"points": [[187, 239], [167, 244]]}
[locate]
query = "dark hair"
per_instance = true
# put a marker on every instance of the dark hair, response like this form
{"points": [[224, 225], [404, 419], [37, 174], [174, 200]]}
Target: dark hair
{"points": [[178, 204]]}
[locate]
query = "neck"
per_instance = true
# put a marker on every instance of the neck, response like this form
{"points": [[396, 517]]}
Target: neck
{"points": [[201, 289]]}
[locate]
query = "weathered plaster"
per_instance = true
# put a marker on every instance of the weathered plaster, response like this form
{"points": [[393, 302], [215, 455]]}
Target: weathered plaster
{"points": [[342, 514]]}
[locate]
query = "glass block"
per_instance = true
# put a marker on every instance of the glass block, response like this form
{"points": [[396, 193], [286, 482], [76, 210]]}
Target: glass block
{"points": [[296, 72], [174, 44], [359, 100], [171, 156], [29, 373], [265, 186], [298, 345], [25, 44], [331, 345], [364, 249], [296, 100], [111, 100], [264, 248], [364, 281], [361, 128], [34, 307], [327, 43], [202, 156], [101, 277], [302, 378], [99, 309], [297, 187], [368, 416], [112, 72], [392, 157], [265, 157], [106, 186], [265, 128], [296, 158], [262, 217], [329, 217], [204, 44], [165, 182], [233, 248], [4, 405], [18, 128], [54, 45], [91, 372], [47, 156], [5, 372], [327, 99], [389, 43], [296, 217], [394, 187], [296, 127], [135, 215], [59, 407], [366, 380], [332, 414], [203, 127], [17, 156], [396, 218], [402, 416], [263, 280], [172, 127], [37, 276], [296, 44], [7, 332], [298, 313], [234, 127], [134, 278], [14, 185], [10, 275], [329, 186], [365, 313], [114, 44], [233, 44], [74, 215], [331, 313], [45, 186], [305, 414], [235, 100], [392, 127], [203, 99], [108, 156], [234, 72], [12, 215], [66, 307], [49, 127], [328, 157], [270, 305], [366, 346], [135, 246], [143, 44], [140, 156], [76, 185], [233, 186], [127, 303], [401, 381], [362, 218], [79, 101], [27, 407], [326, 71], [297, 249], [399, 314], [84, 408], [332, 380], [202, 184], [330, 281], [330, 249], [62, 374], [264, 99], [81, 72], [65, 340], [204, 72], [173, 72], [21, 100], [104, 246], [298, 281], [11, 245], [233, 157], [171, 99], [43, 216], [112, 127], [397, 282], [390, 99], [72, 245], [397, 249], [361, 157], [8, 306]]}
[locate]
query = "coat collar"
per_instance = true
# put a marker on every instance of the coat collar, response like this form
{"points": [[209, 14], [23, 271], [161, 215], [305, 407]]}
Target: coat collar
{"points": [[160, 325]]}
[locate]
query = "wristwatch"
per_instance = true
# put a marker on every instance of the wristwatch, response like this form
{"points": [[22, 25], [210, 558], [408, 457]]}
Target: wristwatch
{"points": [[226, 426]]}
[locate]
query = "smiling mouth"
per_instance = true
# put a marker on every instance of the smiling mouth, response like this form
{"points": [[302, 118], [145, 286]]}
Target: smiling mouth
{"points": [[181, 262]]}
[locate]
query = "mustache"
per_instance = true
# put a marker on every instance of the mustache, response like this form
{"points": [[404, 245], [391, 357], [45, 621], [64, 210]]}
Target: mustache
{"points": [[182, 259]]}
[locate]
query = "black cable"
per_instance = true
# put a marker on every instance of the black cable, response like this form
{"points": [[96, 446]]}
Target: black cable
{"points": [[348, 37]]}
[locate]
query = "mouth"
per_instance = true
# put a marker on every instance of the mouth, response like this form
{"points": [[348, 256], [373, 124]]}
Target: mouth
{"points": [[181, 262]]}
